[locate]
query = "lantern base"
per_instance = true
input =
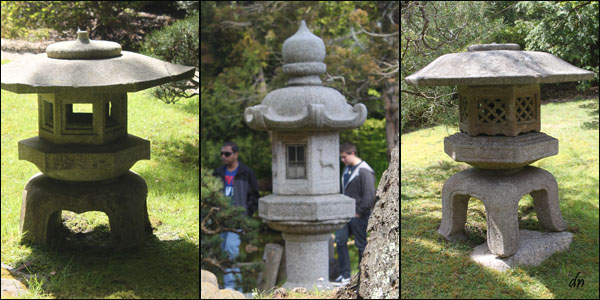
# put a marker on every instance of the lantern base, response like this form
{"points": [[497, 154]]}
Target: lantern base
{"points": [[122, 199], [500, 192]]}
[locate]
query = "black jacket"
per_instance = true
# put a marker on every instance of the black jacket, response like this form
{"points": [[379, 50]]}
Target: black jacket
{"points": [[361, 187], [245, 187]]}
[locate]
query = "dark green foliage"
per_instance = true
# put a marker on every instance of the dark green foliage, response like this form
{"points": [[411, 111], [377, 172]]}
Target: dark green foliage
{"points": [[102, 18], [217, 215], [567, 29], [179, 44]]}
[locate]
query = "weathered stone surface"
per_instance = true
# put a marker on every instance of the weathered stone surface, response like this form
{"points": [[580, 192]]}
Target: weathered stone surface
{"points": [[130, 72], [210, 288], [306, 207], [534, 248], [309, 107], [379, 268], [12, 283], [499, 109], [80, 149], [123, 200], [303, 55], [83, 48], [59, 124], [80, 162], [304, 252], [304, 104], [322, 169], [500, 152], [207, 276], [500, 192], [305, 119], [497, 67], [493, 46]]}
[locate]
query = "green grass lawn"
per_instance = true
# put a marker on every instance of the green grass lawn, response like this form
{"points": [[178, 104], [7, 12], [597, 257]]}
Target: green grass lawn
{"points": [[434, 268], [167, 266]]}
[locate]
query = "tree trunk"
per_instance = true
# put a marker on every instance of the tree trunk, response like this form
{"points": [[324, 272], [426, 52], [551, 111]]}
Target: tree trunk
{"points": [[392, 117]]}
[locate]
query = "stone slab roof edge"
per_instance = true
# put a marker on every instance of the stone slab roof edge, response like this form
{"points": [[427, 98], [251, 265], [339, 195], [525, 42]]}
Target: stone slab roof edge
{"points": [[131, 72], [497, 67]]}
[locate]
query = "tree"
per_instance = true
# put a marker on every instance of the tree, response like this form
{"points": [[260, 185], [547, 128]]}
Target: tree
{"points": [[218, 216]]}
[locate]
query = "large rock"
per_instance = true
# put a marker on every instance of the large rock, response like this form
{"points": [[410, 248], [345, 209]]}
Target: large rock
{"points": [[379, 268], [210, 288]]}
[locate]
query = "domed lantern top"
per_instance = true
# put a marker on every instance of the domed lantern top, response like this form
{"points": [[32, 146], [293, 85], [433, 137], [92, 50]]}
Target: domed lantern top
{"points": [[497, 64], [304, 103], [91, 66]]}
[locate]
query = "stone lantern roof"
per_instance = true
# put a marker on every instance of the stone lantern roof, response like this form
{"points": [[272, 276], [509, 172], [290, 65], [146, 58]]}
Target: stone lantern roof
{"points": [[88, 66], [497, 64], [304, 104]]}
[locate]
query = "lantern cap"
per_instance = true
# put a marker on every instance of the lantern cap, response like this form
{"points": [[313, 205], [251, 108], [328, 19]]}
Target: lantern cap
{"points": [[488, 65], [83, 48], [303, 55], [304, 104], [303, 46]]}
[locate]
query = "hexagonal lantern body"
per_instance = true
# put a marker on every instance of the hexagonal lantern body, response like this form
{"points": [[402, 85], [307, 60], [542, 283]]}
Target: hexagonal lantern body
{"points": [[498, 109], [73, 117], [83, 149], [305, 119]]}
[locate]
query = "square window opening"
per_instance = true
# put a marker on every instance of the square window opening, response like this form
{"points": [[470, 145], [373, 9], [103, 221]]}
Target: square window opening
{"points": [[295, 162], [79, 116]]}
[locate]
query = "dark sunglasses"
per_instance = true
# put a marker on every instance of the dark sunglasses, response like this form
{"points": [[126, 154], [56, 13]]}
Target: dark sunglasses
{"points": [[227, 154]]}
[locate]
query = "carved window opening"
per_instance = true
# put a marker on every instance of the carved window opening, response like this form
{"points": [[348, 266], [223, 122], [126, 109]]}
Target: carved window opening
{"points": [[296, 163], [491, 111], [525, 108]]}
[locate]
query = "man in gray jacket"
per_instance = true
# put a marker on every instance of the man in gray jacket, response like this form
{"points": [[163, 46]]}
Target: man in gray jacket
{"points": [[357, 182]]}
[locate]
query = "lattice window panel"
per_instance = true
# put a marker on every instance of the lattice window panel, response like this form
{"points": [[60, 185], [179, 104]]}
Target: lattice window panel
{"points": [[491, 111], [525, 109], [463, 109]]}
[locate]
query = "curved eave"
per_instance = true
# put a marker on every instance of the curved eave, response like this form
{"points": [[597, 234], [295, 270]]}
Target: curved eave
{"points": [[316, 118], [501, 67]]}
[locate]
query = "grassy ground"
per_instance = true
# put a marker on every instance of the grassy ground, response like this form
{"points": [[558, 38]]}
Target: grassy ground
{"points": [[168, 264], [435, 268]]}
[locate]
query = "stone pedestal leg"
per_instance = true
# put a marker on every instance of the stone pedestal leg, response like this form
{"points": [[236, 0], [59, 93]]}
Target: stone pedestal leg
{"points": [[500, 191], [546, 205], [123, 200], [502, 224], [454, 213], [307, 260]]}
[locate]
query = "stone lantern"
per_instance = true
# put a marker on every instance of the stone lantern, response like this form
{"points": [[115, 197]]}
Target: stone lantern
{"points": [[499, 120], [83, 149], [305, 119]]}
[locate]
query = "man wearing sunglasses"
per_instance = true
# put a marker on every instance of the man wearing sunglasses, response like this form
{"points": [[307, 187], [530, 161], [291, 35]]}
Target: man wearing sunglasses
{"points": [[241, 186]]}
